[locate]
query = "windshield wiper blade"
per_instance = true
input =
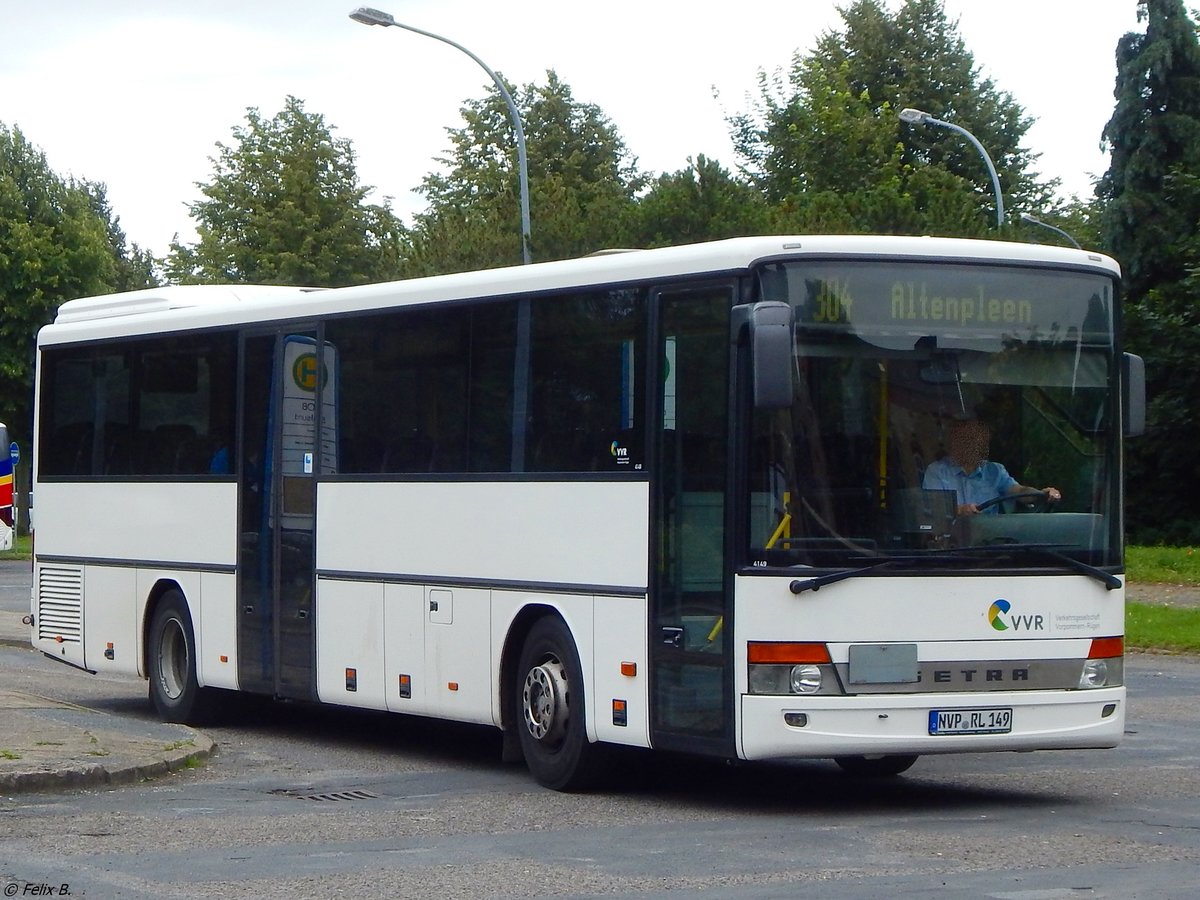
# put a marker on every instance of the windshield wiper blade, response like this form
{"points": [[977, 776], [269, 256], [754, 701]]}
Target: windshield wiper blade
{"points": [[799, 586], [1111, 582]]}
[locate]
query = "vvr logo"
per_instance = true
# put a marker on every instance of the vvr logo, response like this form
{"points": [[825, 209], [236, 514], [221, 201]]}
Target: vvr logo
{"points": [[999, 618]]}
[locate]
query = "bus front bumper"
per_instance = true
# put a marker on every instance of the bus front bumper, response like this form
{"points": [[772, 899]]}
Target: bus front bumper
{"points": [[797, 727]]}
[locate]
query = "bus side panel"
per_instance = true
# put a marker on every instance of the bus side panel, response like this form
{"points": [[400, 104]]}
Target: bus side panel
{"points": [[620, 700], [216, 629], [408, 648], [350, 643], [178, 522], [114, 614], [544, 532], [404, 626], [458, 654]]}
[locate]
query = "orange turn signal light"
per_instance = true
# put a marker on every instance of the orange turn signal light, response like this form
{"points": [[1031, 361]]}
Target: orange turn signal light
{"points": [[786, 653], [1107, 647]]}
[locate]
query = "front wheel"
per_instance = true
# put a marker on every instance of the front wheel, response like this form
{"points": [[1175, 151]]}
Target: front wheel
{"points": [[171, 660], [875, 766], [551, 704]]}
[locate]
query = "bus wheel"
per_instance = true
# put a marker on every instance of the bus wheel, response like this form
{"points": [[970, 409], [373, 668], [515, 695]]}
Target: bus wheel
{"points": [[875, 766], [171, 657], [550, 698]]}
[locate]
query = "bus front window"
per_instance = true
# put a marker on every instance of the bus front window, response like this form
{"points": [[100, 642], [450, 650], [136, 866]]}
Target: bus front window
{"points": [[891, 361]]}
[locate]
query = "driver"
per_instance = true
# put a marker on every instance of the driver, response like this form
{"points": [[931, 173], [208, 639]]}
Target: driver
{"points": [[966, 470]]}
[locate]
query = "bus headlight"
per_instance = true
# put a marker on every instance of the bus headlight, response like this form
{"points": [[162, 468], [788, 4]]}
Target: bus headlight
{"points": [[806, 679], [1095, 674], [790, 667]]}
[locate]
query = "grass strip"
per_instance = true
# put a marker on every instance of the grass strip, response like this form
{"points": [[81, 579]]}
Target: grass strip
{"points": [[1149, 626]]}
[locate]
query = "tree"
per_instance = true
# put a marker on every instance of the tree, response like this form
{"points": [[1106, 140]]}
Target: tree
{"points": [[53, 248], [1152, 208], [703, 202], [582, 183], [285, 206], [1154, 133], [826, 145], [135, 268]]}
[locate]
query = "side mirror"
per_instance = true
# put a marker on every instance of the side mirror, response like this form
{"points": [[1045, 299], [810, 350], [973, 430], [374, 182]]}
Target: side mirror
{"points": [[1133, 394], [772, 344]]}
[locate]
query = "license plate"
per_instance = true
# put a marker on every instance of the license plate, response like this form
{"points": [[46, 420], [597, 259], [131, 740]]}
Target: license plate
{"points": [[970, 721]]}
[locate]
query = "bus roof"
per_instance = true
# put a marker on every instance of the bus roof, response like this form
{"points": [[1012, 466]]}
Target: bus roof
{"points": [[196, 306]]}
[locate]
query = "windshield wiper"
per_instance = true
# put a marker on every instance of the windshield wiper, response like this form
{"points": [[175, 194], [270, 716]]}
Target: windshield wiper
{"points": [[1111, 582], [799, 586]]}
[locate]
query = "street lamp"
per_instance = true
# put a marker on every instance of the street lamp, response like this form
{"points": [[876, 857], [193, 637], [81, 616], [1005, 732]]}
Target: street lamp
{"points": [[918, 117], [1033, 220], [368, 16]]}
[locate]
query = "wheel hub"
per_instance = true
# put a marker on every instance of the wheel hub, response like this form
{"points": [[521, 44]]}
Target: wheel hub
{"points": [[546, 702], [173, 660]]}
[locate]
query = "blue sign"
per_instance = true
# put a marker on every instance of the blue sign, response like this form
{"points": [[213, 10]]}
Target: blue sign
{"points": [[14, 453]]}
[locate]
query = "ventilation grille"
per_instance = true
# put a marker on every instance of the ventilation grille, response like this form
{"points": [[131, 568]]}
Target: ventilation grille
{"points": [[60, 604]]}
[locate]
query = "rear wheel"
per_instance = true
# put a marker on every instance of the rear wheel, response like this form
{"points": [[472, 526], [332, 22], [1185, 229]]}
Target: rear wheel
{"points": [[550, 702], [875, 766], [171, 659]]}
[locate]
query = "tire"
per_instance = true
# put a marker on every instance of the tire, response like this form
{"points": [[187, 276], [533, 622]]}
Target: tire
{"points": [[875, 766], [551, 705], [171, 663]]}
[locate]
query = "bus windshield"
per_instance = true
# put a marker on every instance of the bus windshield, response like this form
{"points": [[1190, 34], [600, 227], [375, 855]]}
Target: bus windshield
{"points": [[892, 360]]}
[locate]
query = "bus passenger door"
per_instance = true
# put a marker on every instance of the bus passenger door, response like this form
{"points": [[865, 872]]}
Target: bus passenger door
{"points": [[277, 497], [691, 623]]}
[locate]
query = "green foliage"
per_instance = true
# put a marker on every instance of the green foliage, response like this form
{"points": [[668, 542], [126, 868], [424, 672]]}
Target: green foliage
{"points": [[53, 248], [1154, 134], [135, 268], [827, 149], [1080, 218], [1165, 327], [284, 206], [1152, 206], [703, 202], [582, 183]]}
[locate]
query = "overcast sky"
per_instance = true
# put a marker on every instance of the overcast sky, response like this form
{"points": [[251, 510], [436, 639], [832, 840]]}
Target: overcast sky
{"points": [[136, 93]]}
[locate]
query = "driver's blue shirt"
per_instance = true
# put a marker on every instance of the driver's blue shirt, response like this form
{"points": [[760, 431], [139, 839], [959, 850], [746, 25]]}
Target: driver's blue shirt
{"points": [[990, 479]]}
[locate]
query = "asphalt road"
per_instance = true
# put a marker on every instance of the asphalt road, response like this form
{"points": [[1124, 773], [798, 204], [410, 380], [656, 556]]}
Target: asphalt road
{"points": [[309, 802]]}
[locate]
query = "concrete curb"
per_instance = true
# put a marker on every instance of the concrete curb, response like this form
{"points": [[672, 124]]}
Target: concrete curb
{"points": [[71, 777], [49, 745]]}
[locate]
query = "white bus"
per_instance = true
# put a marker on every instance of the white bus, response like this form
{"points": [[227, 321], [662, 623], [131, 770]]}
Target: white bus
{"points": [[662, 499]]}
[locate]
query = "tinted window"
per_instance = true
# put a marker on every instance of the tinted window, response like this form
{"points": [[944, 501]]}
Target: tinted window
{"points": [[425, 390], [162, 407], [586, 394]]}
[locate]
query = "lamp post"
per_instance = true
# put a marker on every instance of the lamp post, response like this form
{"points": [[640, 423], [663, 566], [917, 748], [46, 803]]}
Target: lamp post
{"points": [[919, 117], [1034, 220], [368, 16]]}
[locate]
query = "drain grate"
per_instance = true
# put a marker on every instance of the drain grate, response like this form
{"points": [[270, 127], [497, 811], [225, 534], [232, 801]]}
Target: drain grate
{"points": [[329, 796]]}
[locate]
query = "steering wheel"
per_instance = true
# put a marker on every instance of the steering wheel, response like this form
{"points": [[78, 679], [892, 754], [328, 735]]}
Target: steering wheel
{"points": [[1040, 499]]}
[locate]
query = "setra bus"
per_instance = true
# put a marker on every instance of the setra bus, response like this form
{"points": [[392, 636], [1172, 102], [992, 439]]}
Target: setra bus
{"points": [[668, 499]]}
